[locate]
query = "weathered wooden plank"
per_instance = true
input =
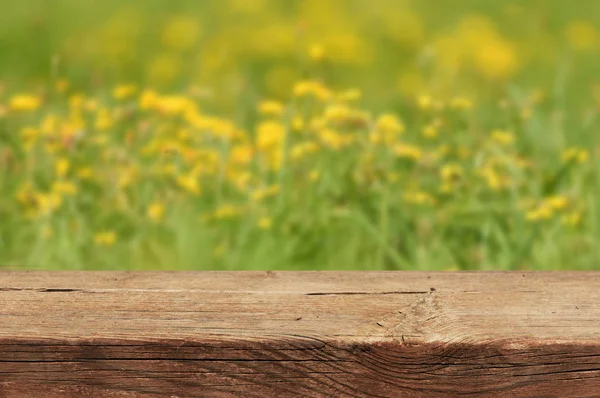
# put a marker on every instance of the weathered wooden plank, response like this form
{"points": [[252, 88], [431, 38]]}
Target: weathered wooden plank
{"points": [[355, 334]]}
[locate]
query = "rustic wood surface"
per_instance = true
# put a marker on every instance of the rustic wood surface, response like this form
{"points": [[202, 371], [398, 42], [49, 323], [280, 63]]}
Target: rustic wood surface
{"points": [[299, 334]]}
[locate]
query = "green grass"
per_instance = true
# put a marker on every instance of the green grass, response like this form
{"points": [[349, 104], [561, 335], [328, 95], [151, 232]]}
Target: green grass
{"points": [[527, 68]]}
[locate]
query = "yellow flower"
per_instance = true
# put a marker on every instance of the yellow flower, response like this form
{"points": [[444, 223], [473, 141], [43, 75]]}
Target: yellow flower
{"points": [[424, 101], [557, 202], [85, 173], [226, 211], [90, 105], [105, 238], [62, 166], [337, 113], [265, 223], [174, 105], [261, 194], [302, 149], [349, 95], [317, 53], [25, 102], [241, 155], [64, 188], [502, 137], [494, 179], [148, 99], [124, 91], [540, 213], [430, 131], [335, 140], [495, 58], [47, 203], [29, 135], [408, 151], [297, 123], [575, 155], [271, 108], [419, 198], [126, 177], [155, 211], [451, 172], [189, 183], [104, 120], [312, 88], [269, 135], [461, 103], [389, 124]]}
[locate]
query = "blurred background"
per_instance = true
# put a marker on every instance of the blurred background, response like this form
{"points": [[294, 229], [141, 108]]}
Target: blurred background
{"points": [[324, 134]]}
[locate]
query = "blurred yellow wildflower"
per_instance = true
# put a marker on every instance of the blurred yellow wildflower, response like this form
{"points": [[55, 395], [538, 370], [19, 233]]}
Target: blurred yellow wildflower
{"points": [[148, 99], [349, 95], [104, 120], [49, 202], [312, 88], [495, 180], [226, 211], [461, 103], [334, 139], [85, 173], [425, 101], [64, 188], [265, 223], [575, 155], [105, 238], [302, 149], [297, 123], [419, 198], [155, 212], [25, 102], [389, 123], [241, 155], [317, 53], [496, 58], [261, 194], [124, 91], [269, 135], [408, 151], [337, 112], [502, 137], [62, 166], [430, 131], [541, 212], [271, 108], [189, 183], [557, 202]]}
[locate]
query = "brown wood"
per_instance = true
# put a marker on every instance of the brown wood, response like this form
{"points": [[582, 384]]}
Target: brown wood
{"points": [[299, 334]]}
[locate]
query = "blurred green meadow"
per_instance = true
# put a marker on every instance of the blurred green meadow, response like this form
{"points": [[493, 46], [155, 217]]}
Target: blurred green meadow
{"points": [[289, 134]]}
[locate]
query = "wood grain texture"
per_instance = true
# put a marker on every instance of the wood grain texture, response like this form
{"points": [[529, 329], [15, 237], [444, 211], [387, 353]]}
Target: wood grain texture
{"points": [[299, 334]]}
